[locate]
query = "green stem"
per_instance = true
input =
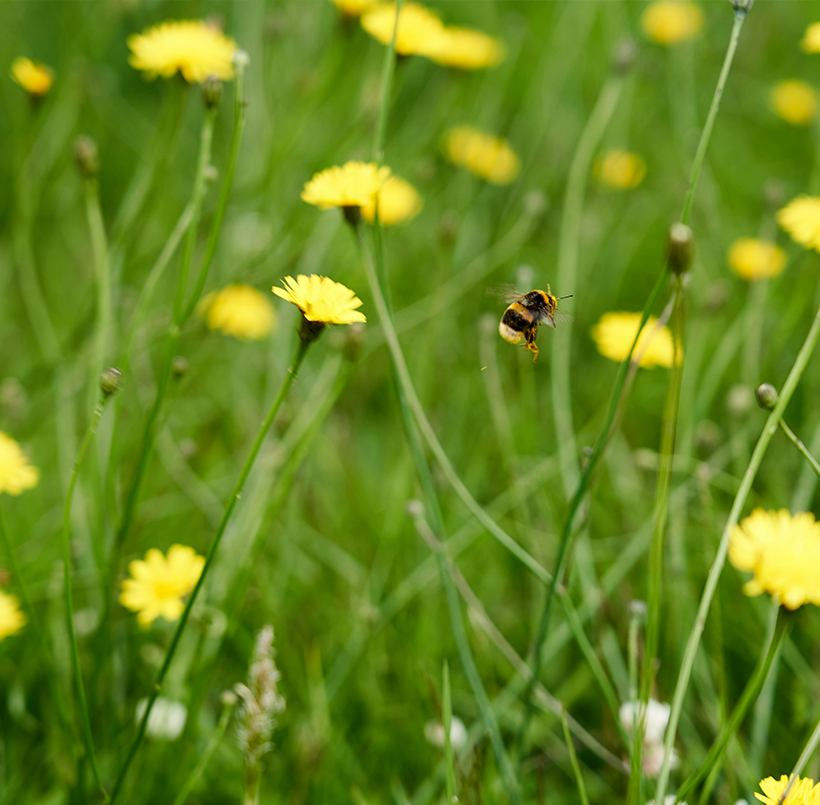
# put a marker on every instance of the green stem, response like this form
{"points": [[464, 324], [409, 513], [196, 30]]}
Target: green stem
{"points": [[804, 758], [715, 570], [301, 351], [447, 721], [798, 443], [573, 759], [69, 599], [387, 83]]}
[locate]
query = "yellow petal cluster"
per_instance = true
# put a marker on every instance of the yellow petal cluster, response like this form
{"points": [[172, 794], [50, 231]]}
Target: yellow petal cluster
{"points": [[783, 552], [490, 158], [12, 620], [795, 102], [353, 8], [34, 78], [466, 49], [803, 792], [615, 332], [620, 170], [811, 41], [240, 311], [753, 259], [668, 22], [159, 582], [399, 202], [191, 47], [801, 219], [321, 299], [354, 184], [16, 474]]}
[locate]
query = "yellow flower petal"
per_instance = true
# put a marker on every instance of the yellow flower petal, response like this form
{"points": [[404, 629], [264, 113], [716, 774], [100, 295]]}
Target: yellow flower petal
{"points": [[668, 22], [354, 184], [419, 29], [801, 219], [353, 8], [11, 618], [754, 259], [238, 310], [399, 202], [803, 791], [321, 299], [490, 158], [620, 170], [16, 474], [466, 49], [795, 102], [616, 331], [811, 41], [34, 78]]}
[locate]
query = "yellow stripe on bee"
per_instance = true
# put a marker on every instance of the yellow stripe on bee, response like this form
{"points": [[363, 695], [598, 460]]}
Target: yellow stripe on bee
{"points": [[508, 334]]}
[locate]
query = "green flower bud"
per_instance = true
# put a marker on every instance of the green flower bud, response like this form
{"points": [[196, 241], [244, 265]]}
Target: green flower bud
{"points": [[680, 247], [86, 156], [211, 92], [767, 396], [110, 381]]}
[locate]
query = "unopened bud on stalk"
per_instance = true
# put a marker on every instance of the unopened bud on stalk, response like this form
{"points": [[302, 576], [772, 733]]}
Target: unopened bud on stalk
{"points": [[680, 246], [110, 381], [742, 5], [637, 609], [87, 156], [179, 367], [211, 173], [211, 92], [241, 60], [767, 396], [623, 55]]}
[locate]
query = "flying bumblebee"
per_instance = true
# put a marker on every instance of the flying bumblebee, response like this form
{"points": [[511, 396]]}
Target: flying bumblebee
{"points": [[526, 312]]}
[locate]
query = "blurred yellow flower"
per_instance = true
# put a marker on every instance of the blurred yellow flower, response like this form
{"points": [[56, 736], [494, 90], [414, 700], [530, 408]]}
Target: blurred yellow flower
{"points": [[354, 184], [620, 170], [321, 299], [192, 47], [16, 474], [803, 792], [801, 219], [488, 157], [353, 8], [399, 202], [615, 332], [783, 552], [668, 22], [159, 582], [795, 102], [466, 49], [238, 310], [754, 259], [418, 32], [36, 79], [12, 620], [811, 41]]}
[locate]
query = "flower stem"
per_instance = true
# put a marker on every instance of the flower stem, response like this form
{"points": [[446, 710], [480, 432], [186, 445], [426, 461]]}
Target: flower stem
{"points": [[804, 758], [573, 758], [447, 721], [798, 443], [301, 351]]}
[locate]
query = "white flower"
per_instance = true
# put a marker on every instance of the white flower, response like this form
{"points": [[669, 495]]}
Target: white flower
{"points": [[166, 721], [657, 717], [434, 732], [652, 759]]}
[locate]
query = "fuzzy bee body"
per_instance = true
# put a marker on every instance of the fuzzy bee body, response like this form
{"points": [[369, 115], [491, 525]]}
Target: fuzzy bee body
{"points": [[525, 313]]}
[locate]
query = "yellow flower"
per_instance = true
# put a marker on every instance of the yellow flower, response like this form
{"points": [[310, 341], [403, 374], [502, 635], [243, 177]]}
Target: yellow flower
{"points": [[783, 551], [354, 184], [811, 41], [399, 202], [12, 620], [491, 158], [801, 219], [321, 299], [465, 49], [668, 22], [34, 78], [419, 29], [803, 792], [192, 47], [754, 259], [16, 474], [353, 8], [795, 102], [238, 310], [158, 583], [615, 332], [620, 170]]}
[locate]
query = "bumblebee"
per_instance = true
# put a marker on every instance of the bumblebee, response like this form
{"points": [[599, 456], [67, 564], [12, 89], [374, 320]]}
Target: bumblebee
{"points": [[527, 311]]}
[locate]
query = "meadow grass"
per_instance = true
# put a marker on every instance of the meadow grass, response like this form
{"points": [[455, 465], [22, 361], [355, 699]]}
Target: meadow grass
{"points": [[423, 482]]}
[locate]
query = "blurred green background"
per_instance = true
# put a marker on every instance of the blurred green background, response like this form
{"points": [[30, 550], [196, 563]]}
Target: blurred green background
{"points": [[321, 546]]}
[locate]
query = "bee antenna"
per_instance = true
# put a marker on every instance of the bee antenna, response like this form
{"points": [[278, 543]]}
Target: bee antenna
{"points": [[565, 297]]}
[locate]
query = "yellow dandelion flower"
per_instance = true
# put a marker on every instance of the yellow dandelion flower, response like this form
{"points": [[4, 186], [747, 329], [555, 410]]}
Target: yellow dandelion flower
{"points": [[466, 49], [34, 78], [354, 184], [783, 552], [801, 219], [803, 792], [399, 202], [159, 582], [419, 29], [620, 170], [16, 474], [795, 102], [811, 41], [321, 299], [754, 259], [12, 620], [192, 47], [353, 8], [668, 22], [491, 158], [615, 332], [238, 310]]}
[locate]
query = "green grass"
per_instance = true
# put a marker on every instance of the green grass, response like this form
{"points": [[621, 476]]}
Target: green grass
{"points": [[321, 545]]}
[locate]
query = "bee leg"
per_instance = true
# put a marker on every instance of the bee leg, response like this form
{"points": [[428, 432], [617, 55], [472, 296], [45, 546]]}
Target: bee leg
{"points": [[531, 335]]}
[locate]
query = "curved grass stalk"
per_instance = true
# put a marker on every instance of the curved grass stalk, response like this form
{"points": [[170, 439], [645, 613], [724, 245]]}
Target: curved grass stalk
{"points": [[798, 443], [804, 758]]}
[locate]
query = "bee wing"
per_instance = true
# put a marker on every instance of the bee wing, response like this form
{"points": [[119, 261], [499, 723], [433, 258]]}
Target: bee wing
{"points": [[506, 292], [561, 317]]}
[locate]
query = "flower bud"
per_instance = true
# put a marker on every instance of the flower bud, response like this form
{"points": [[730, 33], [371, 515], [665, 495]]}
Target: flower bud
{"points": [[229, 698], [86, 156], [211, 92], [680, 247], [309, 331], [767, 396], [110, 381], [179, 367], [241, 60], [211, 173], [739, 400], [742, 5], [623, 55], [637, 609]]}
